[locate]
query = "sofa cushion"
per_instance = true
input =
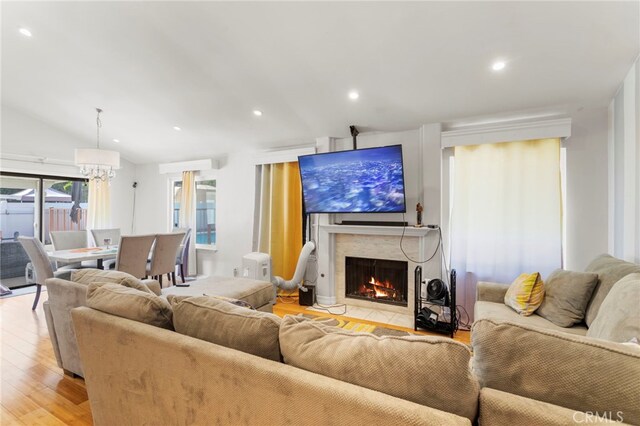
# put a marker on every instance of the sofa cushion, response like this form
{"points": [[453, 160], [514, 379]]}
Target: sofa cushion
{"points": [[559, 368], [176, 298], [88, 276], [610, 270], [432, 371], [223, 323], [525, 294], [618, 318], [256, 293], [500, 312], [130, 303], [567, 296]]}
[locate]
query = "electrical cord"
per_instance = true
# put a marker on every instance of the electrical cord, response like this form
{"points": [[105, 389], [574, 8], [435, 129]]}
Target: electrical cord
{"points": [[430, 257]]}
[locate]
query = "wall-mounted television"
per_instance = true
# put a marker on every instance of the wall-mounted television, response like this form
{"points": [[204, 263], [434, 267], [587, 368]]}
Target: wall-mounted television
{"points": [[369, 180]]}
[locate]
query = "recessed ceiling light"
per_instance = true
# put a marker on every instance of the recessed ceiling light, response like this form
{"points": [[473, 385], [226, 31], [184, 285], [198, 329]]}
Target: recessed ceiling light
{"points": [[498, 65], [116, 140], [257, 112], [25, 32], [353, 95], [176, 128]]}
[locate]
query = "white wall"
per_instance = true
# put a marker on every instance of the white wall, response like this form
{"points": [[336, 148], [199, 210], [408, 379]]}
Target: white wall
{"points": [[587, 191], [624, 168], [28, 145]]}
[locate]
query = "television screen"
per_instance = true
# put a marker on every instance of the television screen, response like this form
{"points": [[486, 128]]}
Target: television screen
{"points": [[360, 181]]}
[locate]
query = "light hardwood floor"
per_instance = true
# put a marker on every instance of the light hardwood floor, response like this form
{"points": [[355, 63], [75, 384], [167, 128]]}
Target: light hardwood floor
{"points": [[34, 389]]}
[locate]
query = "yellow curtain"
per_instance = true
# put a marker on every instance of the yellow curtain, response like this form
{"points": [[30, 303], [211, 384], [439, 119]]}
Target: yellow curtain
{"points": [[187, 216], [99, 204], [280, 232], [507, 213]]}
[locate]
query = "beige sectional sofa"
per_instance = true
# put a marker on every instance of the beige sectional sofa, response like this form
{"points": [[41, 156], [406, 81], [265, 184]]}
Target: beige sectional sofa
{"points": [[191, 381], [490, 297], [520, 374], [64, 295], [522, 371], [533, 358]]}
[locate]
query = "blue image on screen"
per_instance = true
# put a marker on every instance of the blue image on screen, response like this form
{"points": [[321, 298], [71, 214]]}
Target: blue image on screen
{"points": [[358, 181]]}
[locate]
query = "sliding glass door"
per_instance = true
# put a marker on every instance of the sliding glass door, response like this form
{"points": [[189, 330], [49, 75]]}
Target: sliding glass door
{"points": [[19, 216], [33, 206]]}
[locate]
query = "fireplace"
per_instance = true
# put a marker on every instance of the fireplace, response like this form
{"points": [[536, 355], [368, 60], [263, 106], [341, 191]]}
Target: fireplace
{"points": [[376, 280]]}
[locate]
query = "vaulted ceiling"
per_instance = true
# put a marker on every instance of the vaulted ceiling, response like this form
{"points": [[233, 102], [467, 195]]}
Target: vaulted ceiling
{"points": [[205, 66]]}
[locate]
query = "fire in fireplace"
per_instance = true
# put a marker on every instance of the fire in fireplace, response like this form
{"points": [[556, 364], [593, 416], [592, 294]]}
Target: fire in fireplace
{"points": [[376, 280]]}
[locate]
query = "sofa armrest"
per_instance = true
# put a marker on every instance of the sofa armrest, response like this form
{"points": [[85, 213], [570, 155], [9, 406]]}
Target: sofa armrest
{"points": [[154, 286], [576, 372], [491, 292], [52, 332], [63, 296], [502, 408]]}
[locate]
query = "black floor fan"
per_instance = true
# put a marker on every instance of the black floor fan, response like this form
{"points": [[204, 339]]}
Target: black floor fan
{"points": [[438, 297]]}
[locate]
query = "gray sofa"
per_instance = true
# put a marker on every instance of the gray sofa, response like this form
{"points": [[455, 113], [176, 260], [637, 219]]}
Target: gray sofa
{"points": [[64, 295]]}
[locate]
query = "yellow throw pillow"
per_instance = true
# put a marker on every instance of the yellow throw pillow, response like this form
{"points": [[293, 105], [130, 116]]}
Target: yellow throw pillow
{"points": [[525, 294]]}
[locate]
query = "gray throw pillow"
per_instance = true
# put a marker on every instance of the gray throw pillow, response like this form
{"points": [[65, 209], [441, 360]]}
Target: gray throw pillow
{"points": [[567, 295], [618, 318]]}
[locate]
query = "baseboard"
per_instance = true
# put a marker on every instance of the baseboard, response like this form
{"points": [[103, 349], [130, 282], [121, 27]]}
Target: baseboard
{"points": [[325, 300]]}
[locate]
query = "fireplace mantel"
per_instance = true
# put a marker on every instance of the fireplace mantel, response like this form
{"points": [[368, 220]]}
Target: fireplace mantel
{"points": [[383, 240], [409, 231]]}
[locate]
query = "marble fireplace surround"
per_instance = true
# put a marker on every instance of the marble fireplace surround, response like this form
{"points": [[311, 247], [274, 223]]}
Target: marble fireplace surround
{"points": [[374, 242]]}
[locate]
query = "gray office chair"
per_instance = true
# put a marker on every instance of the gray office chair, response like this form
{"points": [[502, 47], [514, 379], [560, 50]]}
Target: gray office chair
{"points": [[41, 265]]}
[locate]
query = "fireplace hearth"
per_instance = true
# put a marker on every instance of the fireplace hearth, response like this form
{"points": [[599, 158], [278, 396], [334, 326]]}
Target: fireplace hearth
{"points": [[376, 280]]}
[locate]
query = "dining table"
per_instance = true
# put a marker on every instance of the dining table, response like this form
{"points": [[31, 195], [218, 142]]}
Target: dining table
{"points": [[77, 255]]}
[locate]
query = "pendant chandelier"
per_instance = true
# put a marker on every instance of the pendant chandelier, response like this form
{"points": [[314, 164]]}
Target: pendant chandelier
{"points": [[97, 164]]}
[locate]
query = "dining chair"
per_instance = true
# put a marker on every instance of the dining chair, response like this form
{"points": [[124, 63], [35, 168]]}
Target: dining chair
{"points": [[132, 254], [42, 267], [68, 240], [182, 256], [99, 235], [163, 257]]}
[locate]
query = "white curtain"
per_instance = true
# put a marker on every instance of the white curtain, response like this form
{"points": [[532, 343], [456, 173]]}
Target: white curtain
{"points": [[187, 216], [507, 213], [99, 209]]}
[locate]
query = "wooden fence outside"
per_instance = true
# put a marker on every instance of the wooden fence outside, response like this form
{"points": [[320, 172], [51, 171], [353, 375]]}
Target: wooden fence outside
{"points": [[60, 220]]}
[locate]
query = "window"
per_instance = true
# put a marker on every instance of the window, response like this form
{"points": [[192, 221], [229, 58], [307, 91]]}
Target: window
{"points": [[206, 212], [205, 219]]}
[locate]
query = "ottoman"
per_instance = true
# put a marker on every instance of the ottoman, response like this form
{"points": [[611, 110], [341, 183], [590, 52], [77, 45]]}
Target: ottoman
{"points": [[259, 294]]}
